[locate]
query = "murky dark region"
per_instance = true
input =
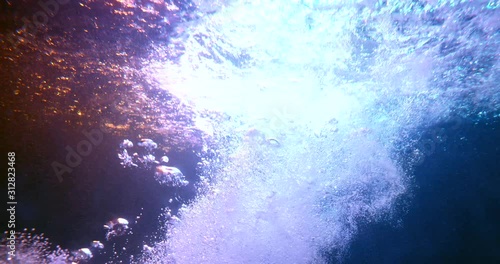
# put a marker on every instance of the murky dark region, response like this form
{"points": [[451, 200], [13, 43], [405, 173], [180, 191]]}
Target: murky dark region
{"points": [[242, 131]]}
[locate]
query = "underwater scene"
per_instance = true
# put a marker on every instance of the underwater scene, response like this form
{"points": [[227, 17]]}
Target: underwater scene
{"points": [[250, 131]]}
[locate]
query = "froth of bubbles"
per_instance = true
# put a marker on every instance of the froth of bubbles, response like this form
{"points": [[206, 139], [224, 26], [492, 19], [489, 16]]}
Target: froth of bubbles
{"points": [[32, 248], [342, 89]]}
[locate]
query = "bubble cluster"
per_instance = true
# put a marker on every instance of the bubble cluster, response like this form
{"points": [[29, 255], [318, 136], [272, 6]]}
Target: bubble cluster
{"points": [[127, 161], [33, 248], [134, 160], [170, 176], [165, 175], [126, 144], [116, 228], [148, 144], [83, 254], [97, 244]]}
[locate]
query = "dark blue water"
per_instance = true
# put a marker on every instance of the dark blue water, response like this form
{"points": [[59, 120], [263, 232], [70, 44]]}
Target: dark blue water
{"points": [[453, 213]]}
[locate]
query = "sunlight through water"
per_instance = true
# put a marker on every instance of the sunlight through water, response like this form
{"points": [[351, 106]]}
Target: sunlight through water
{"points": [[336, 86], [310, 113]]}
